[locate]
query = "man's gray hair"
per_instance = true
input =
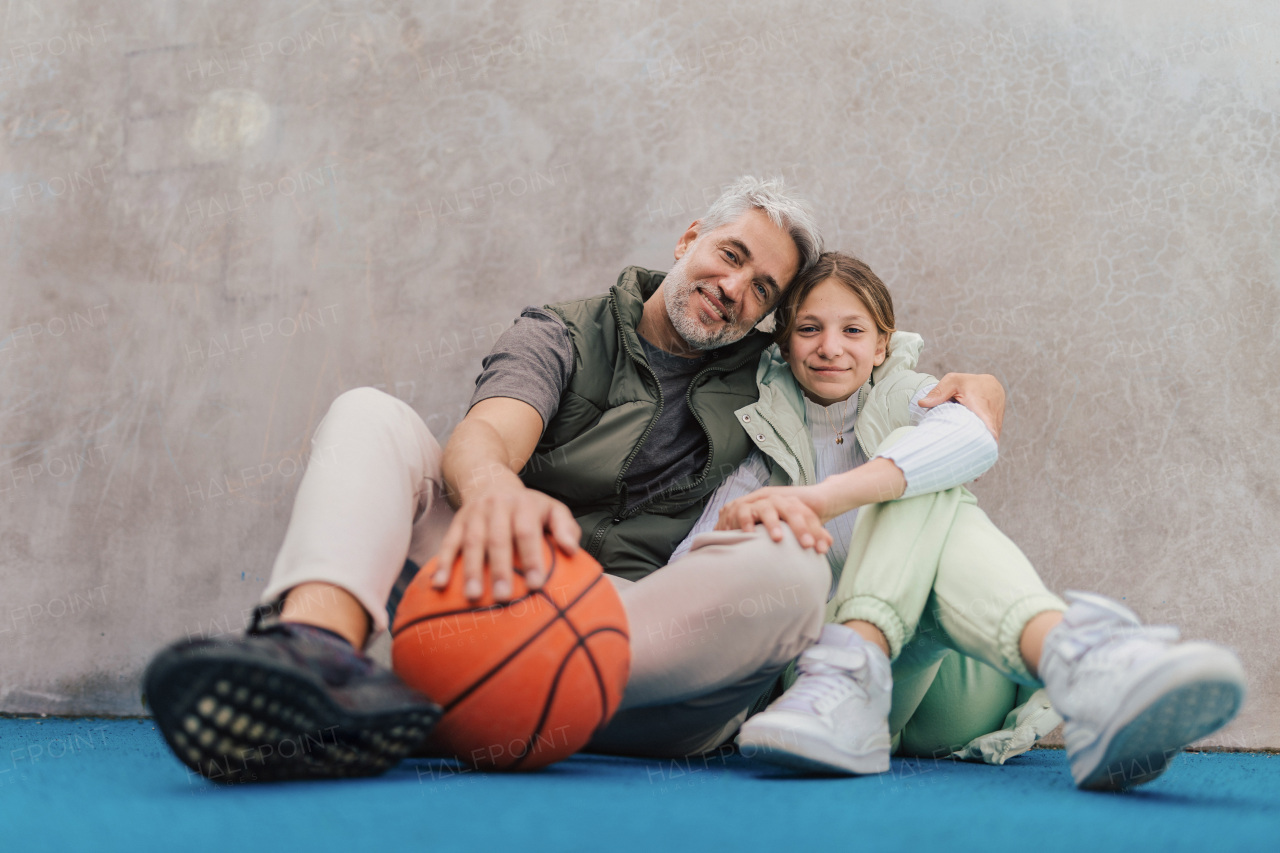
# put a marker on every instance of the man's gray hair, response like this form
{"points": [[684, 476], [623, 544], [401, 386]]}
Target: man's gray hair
{"points": [[784, 210]]}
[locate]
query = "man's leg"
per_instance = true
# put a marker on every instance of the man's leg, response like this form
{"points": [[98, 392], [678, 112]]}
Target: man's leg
{"points": [[709, 634], [293, 698], [372, 495]]}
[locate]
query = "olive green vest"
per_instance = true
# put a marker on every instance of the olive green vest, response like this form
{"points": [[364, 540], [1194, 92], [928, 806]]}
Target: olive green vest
{"points": [[605, 416]]}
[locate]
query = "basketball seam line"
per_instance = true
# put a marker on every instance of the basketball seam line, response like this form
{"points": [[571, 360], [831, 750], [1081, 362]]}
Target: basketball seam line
{"points": [[555, 686], [595, 667], [551, 697], [500, 664], [580, 643], [395, 632]]}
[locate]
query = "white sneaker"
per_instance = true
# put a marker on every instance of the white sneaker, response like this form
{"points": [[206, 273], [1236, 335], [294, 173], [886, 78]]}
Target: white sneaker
{"points": [[1131, 695], [835, 718]]}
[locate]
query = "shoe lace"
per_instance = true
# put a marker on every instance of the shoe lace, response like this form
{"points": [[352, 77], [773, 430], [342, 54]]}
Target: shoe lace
{"points": [[1106, 641], [334, 661], [820, 685], [266, 618]]}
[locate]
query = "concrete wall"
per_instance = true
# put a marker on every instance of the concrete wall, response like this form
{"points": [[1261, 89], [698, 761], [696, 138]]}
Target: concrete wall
{"points": [[217, 216]]}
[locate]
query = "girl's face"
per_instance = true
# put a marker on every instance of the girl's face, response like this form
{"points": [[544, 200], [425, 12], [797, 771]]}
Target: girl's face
{"points": [[835, 344]]}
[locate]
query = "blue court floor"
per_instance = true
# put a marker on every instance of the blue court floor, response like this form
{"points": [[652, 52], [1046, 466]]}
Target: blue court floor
{"points": [[112, 785]]}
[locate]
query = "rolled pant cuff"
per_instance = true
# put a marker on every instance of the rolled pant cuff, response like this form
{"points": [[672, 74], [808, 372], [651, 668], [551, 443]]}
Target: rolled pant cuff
{"points": [[1011, 627], [867, 608], [275, 593]]}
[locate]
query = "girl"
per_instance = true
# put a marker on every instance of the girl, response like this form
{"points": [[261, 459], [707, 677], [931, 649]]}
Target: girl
{"points": [[921, 574]]}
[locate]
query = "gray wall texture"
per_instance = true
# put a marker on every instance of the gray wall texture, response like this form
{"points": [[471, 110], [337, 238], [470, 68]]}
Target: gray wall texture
{"points": [[215, 217]]}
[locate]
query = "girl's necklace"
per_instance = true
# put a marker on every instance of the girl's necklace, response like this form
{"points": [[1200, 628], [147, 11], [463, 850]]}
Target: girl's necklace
{"points": [[839, 432]]}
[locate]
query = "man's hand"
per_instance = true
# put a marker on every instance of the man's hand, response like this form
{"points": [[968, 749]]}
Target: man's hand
{"points": [[802, 508], [498, 517], [980, 393], [509, 519]]}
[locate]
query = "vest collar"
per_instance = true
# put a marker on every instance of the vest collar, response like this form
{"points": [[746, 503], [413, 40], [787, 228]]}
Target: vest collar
{"points": [[782, 405]]}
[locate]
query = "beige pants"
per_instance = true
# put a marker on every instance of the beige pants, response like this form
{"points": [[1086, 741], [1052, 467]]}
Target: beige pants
{"points": [[709, 632]]}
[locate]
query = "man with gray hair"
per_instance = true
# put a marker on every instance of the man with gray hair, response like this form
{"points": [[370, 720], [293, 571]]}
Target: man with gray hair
{"points": [[602, 422]]}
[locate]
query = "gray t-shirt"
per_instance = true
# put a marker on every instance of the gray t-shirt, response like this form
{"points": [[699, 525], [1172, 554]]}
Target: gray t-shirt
{"points": [[533, 362]]}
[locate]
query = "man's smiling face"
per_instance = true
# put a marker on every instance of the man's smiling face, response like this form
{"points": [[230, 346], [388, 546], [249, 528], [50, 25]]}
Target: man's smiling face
{"points": [[725, 281]]}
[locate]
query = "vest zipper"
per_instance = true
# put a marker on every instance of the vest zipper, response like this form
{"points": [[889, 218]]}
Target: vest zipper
{"points": [[808, 480], [865, 454], [857, 434], [597, 537]]}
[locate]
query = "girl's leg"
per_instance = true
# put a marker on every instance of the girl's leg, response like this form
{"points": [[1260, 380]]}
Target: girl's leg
{"points": [[945, 702], [836, 716], [1032, 642], [965, 700], [987, 595], [960, 705], [893, 563], [1131, 695], [897, 550], [869, 632]]}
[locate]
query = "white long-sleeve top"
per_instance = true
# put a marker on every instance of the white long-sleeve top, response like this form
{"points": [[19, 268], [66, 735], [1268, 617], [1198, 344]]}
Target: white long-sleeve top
{"points": [[950, 447]]}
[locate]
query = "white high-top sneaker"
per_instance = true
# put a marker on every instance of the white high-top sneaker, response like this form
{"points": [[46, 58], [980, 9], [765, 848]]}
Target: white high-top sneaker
{"points": [[1131, 695], [835, 718]]}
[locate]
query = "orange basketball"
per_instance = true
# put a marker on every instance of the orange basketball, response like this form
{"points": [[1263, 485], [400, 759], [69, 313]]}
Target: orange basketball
{"points": [[523, 683]]}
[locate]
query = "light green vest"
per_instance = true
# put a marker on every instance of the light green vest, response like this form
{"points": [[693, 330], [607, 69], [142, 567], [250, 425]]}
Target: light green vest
{"points": [[775, 422]]}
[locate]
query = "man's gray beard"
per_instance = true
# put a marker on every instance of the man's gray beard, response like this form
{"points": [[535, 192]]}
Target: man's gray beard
{"points": [[677, 290]]}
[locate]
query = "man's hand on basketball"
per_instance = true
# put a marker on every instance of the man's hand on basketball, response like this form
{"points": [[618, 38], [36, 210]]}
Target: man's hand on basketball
{"points": [[506, 521], [498, 518], [800, 507]]}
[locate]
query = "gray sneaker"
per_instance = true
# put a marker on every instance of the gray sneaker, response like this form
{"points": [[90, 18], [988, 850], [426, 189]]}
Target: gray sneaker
{"points": [[1132, 695]]}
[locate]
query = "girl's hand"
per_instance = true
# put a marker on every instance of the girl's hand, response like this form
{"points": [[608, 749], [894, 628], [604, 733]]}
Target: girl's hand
{"points": [[803, 508]]}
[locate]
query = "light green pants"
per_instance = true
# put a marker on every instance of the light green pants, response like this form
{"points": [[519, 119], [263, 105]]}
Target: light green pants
{"points": [[952, 595]]}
